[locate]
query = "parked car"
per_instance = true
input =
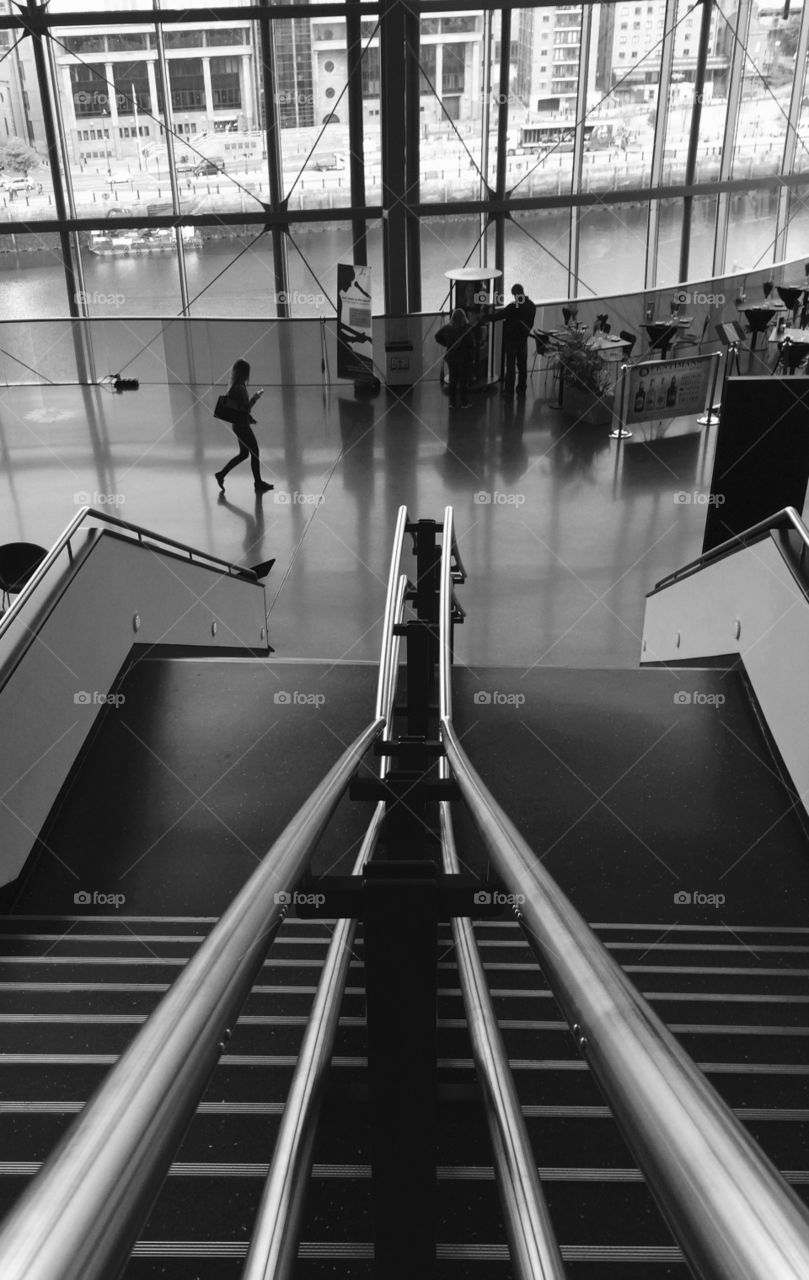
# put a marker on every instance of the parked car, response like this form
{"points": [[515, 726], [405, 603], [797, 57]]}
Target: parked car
{"points": [[19, 184], [215, 164], [328, 160]]}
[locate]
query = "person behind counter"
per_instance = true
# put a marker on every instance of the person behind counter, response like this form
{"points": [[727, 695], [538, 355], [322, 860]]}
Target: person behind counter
{"points": [[518, 321]]}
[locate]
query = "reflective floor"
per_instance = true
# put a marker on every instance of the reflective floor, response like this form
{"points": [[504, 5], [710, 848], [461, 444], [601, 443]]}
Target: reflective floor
{"points": [[562, 530]]}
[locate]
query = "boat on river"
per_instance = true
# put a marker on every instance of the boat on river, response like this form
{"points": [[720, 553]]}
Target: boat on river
{"points": [[116, 244]]}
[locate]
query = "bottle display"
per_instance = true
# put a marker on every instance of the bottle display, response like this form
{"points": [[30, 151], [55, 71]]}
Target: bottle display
{"points": [[640, 399], [671, 394]]}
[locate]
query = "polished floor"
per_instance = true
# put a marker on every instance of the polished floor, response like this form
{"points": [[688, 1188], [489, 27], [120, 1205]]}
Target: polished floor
{"points": [[561, 529]]}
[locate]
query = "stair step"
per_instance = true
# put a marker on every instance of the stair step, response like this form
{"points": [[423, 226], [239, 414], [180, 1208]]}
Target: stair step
{"points": [[113, 925], [296, 971], [463, 1264], [266, 999]]}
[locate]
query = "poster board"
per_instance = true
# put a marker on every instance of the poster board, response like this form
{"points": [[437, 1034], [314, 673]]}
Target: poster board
{"points": [[355, 358], [655, 389]]}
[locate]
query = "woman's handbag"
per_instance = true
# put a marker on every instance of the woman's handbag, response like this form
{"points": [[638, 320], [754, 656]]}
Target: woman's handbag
{"points": [[227, 410]]}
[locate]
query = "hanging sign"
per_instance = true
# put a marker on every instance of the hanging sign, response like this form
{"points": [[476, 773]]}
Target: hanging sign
{"points": [[354, 334]]}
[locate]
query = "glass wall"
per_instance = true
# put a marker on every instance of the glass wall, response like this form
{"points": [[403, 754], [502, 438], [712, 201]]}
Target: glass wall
{"points": [[169, 139]]}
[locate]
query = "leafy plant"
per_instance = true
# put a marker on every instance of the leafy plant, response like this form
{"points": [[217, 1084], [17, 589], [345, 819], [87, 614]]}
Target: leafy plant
{"points": [[583, 365], [17, 157]]}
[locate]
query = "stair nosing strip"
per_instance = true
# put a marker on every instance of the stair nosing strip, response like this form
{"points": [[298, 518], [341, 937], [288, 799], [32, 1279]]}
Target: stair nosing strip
{"points": [[338, 1250], [555, 1111], [444, 1064], [444, 1173]]}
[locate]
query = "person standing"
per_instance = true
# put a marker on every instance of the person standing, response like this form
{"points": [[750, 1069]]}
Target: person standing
{"points": [[518, 321], [460, 352], [242, 428]]}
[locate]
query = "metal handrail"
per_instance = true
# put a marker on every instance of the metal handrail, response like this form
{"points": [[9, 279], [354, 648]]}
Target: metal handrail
{"points": [[787, 516], [41, 569], [728, 1207], [273, 1247], [533, 1248], [390, 604], [83, 1211], [63, 541]]}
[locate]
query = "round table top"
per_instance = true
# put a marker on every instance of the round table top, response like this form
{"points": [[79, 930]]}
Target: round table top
{"points": [[473, 273]]}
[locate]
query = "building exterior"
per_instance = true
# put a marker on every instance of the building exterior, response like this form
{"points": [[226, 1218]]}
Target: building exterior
{"points": [[629, 45]]}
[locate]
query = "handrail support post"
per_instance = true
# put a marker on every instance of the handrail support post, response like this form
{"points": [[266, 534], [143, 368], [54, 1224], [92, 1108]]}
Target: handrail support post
{"points": [[401, 909]]}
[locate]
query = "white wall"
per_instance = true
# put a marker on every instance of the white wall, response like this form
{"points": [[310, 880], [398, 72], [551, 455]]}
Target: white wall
{"points": [[86, 633], [697, 617]]}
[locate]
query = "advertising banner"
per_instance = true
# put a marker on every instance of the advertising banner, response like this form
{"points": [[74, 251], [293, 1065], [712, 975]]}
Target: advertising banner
{"points": [[667, 388], [354, 335]]}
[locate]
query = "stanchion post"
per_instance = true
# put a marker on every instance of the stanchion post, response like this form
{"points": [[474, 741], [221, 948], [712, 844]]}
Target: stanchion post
{"points": [[711, 418], [620, 433]]}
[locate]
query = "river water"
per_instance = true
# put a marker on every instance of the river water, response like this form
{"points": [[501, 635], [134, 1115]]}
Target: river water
{"points": [[613, 240]]}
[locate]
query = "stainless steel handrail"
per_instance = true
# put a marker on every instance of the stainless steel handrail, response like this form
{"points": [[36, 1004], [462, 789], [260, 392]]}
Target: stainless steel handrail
{"points": [[390, 604], [273, 1247], [533, 1248], [41, 569], [82, 1213], [239, 570], [787, 516], [63, 541], [728, 1207]]}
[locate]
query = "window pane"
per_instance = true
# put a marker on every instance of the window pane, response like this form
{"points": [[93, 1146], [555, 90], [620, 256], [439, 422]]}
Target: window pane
{"points": [[537, 248], [32, 282], [769, 70], [751, 234], [131, 272]]}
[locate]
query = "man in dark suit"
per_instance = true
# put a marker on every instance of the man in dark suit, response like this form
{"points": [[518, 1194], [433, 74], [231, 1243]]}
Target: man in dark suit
{"points": [[518, 321]]}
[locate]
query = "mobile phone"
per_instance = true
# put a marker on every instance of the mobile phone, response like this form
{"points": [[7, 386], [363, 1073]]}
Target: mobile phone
{"points": [[258, 393]]}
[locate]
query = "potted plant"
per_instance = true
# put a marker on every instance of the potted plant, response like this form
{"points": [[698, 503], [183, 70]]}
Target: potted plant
{"points": [[585, 378]]}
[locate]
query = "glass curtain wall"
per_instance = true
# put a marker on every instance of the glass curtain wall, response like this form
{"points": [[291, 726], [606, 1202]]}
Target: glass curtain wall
{"points": [[205, 167]]}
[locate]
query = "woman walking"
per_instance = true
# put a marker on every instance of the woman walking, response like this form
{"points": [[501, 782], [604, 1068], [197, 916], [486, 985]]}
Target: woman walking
{"points": [[243, 428]]}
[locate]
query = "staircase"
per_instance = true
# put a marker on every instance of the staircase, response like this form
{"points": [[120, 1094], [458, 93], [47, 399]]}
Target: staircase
{"points": [[638, 796], [74, 990]]}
